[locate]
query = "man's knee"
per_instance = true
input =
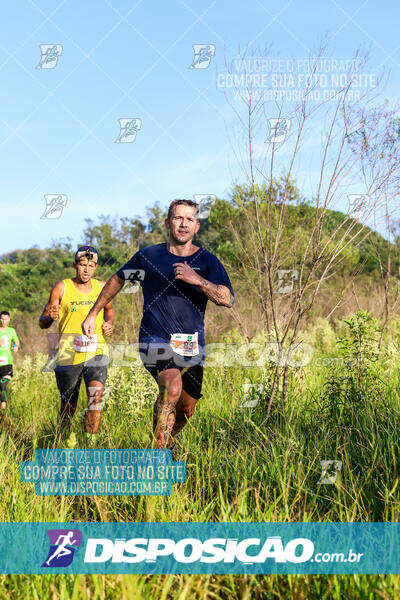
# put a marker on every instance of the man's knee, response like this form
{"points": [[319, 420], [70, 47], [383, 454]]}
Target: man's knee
{"points": [[171, 383], [94, 396]]}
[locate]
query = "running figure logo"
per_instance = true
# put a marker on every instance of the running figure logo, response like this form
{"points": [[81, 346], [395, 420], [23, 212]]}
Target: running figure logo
{"points": [[358, 205], [63, 543], [50, 55], [330, 469], [252, 394], [286, 279], [206, 203], [133, 277], [278, 130], [128, 130], [55, 204], [202, 56]]}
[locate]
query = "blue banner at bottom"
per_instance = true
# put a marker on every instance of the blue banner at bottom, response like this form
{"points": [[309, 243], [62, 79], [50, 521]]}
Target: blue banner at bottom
{"points": [[195, 548]]}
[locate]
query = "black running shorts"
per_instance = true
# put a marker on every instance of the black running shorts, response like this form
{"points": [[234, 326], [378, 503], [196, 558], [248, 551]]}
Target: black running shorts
{"points": [[6, 370], [69, 377], [192, 377]]}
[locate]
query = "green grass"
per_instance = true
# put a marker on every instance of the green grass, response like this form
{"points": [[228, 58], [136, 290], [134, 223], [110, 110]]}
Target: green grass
{"points": [[239, 468]]}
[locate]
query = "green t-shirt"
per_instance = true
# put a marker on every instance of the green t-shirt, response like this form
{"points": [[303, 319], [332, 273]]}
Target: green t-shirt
{"points": [[7, 337]]}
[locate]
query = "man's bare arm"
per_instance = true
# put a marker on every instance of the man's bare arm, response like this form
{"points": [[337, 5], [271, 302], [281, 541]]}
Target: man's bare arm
{"points": [[219, 294], [52, 308], [109, 312], [111, 289], [109, 316]]}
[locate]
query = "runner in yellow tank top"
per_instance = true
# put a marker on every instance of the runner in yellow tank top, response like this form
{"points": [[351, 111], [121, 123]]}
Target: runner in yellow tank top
{"points": [[73, 349], [78, 356]]}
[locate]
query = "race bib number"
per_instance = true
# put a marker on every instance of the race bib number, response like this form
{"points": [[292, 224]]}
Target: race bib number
{"points": [[3, 360], [83, 344], [185, 344]]}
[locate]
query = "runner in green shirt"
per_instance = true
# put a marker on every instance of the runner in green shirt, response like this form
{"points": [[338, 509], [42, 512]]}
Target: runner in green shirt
{"points": [[9, 343]]}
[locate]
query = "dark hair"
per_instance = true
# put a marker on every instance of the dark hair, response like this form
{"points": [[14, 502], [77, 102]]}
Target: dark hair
{"points": [[177, 202], [4, 312]]}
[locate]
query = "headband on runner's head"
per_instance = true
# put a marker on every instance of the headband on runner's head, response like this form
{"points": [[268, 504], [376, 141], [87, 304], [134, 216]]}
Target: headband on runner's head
{"points": [[86, 252]]}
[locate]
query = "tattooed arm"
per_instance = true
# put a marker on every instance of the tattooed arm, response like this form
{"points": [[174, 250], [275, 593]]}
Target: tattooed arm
{"points": [[219, 294]]}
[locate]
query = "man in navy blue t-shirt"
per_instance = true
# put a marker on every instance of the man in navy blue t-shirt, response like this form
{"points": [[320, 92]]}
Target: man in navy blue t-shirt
{"points": [[177, 280]]}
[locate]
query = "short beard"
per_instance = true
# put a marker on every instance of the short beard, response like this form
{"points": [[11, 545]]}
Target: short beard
{"points": [[177, 241]]}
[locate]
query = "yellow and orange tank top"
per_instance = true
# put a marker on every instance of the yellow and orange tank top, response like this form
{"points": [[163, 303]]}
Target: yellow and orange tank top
{"points": [[74, 347]]}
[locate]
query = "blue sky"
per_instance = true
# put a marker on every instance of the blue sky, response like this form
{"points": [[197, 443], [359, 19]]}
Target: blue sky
{"points": [[130, 60]]}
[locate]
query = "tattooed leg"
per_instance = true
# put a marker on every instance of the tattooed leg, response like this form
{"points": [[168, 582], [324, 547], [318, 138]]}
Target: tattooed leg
{"points": [[164, 412]]}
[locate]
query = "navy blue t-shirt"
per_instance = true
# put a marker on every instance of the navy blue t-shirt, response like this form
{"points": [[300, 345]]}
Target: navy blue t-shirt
{"points": [[172, 305]]}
